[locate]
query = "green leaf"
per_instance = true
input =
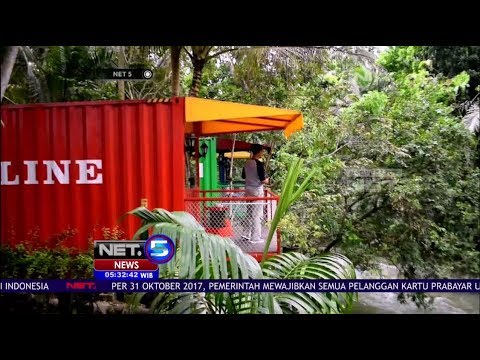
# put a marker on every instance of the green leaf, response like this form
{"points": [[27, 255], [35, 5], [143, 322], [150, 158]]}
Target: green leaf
{"points": [[298, 266]]}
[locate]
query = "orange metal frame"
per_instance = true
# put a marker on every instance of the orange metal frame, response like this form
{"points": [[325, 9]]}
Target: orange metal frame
{"points": [[257, 255]]}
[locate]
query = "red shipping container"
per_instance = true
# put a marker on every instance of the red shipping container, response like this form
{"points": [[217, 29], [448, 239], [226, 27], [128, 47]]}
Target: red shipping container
{"points": [[69, 171]]}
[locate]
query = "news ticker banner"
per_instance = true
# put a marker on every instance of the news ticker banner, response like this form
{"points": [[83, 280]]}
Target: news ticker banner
{"points": [[176, 285]]}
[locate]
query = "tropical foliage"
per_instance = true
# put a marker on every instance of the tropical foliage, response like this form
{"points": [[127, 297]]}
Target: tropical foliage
{"points": [[289, 194], [323, 267], [397, 173], [60, 263], [389, 146], [200, 255]]}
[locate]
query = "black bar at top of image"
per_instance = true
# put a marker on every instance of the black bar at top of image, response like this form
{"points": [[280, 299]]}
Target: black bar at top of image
{"points": [[121, 250], [124, 74]]}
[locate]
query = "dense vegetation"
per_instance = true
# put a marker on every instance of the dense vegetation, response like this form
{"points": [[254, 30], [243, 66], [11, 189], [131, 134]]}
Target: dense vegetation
{"points": [[392, 138], [396, 175]]}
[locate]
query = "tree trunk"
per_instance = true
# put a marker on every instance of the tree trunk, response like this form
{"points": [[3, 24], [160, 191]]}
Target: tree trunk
{"points": [[7, 67], [121, 65], [175, 67], [198, 65]]}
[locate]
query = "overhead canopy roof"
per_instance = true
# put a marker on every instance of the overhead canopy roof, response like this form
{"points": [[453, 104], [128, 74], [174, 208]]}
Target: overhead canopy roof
{"points": [[206, 117]]}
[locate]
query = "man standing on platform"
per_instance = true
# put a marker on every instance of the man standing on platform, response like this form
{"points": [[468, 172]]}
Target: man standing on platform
{"points": [[255, 177]]}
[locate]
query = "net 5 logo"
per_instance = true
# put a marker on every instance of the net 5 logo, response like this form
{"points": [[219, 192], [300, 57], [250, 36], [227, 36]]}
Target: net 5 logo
{"points": [[159, 249]]}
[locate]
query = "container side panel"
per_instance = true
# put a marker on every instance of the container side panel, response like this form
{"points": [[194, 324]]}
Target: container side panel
{"points": [[69, 173]]}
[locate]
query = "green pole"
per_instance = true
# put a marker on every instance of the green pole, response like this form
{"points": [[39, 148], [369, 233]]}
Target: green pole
{"points": [[209, 180]]}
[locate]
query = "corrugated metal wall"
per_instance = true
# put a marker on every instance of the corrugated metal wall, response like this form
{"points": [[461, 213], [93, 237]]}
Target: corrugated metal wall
{"points": [[141, 148]]}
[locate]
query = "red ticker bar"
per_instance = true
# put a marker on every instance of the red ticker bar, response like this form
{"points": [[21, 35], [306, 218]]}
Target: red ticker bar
{"points": [[134, 264]]}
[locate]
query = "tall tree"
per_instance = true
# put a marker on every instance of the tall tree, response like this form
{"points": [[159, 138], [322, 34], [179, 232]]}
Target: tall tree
{"points": [[8, 61], [452, 60], [199, 56], [283, 58], [121, 65], [61, 73], [175, 52], [449, 62], [155, 58], [396, 177]]}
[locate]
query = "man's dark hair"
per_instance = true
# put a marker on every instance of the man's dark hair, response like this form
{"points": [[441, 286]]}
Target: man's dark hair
{"points": [[256, 148]]}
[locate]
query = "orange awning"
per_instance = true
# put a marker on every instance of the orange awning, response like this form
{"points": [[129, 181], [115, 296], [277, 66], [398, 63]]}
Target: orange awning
{"points": [[206, 117]]}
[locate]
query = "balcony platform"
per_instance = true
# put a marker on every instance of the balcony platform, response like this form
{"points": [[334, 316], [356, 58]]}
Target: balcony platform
{"points": [[228, 213]]}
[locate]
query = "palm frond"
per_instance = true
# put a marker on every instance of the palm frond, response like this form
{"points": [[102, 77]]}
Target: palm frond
{"points": [[34, 83], [56, 59], [299, 266], [288, 196], [190, 303], [199, 255], [133, 301]]}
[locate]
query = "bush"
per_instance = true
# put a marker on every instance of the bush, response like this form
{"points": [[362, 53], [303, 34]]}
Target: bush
{"points": [[59, 263]]}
